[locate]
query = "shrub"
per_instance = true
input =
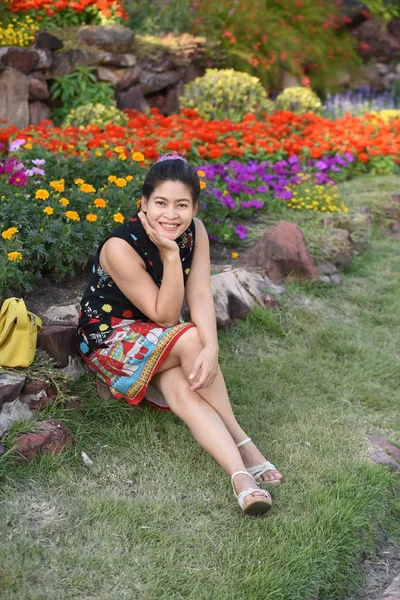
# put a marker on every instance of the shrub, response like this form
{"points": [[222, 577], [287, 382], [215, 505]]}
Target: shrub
{"points": [[299, 100], [226, 94], [95, 114], [17, 31]]}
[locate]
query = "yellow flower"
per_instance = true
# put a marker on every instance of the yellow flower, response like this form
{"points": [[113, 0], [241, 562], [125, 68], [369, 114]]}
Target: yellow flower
{"points": [[138, 203], [122, 156], [8, 233], [86, 188], [58, 185], [112, 178], [203, 185], [91, 217], [120, 182], [73, 215], [119, 149], [138, 156], [118, 218], [42, 194], [201, 173], [98, 153], [14, 256], [107, 307], [235, 255], [100, 203], [129, 177], [28, 146], [106, 146], [48, 210], [79, 181], [64, 201]]}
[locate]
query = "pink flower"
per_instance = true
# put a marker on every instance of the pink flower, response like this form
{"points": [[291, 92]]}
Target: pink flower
{"points": [[18, 178]]}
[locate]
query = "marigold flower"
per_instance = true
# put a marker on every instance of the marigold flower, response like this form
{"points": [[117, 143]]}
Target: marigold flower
{"points": [[14, 256], [48, 210], [201, 173], [112, 178], [64, 201], [78, 181], [119, 150], [120, 182], [42, 194], [72, 215], [58, 185], [118, 218], [9, 233], [129, 177], [138, 156], [86, 188], [91, 217], [235, 255], [100, 203], [28, 146], [203, 185]]}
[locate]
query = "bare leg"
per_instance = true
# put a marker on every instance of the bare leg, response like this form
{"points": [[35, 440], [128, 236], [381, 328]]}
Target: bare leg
{"points": [[204, 422], [184, 353]]}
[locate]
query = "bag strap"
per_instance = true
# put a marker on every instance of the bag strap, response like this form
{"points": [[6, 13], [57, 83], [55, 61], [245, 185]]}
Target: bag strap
{"points": [[8, 315], [22, 316]]}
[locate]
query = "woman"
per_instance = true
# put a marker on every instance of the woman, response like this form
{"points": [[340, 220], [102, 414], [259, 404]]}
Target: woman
{"points": [[131, 332]]}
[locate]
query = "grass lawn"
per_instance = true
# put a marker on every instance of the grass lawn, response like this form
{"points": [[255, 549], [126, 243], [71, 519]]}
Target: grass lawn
{"points": [[155, 517]]}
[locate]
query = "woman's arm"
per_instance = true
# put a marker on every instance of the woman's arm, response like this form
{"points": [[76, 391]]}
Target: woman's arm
{"points": [[161, 305], [202, 312]]}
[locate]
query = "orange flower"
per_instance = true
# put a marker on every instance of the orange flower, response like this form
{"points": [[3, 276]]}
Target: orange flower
{"points": [[72, 215], [118, 218], [100, 203], [91, 217]]}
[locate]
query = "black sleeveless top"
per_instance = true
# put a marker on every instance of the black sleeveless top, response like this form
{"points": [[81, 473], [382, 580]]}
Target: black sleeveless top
{"points": [[103, 305]]}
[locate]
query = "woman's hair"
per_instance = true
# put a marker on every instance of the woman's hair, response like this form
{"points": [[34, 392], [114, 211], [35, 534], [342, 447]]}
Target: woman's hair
{"points": [[172, 167]]}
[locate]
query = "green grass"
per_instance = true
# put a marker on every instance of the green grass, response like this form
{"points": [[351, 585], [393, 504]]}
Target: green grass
{"points": [[155, 517]]}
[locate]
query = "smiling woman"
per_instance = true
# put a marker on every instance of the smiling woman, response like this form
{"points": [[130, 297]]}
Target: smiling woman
{"points": [[131, 331]]}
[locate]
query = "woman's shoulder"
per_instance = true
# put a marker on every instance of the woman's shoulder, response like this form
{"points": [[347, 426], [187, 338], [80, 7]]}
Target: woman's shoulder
{"points": [[199, 227]]}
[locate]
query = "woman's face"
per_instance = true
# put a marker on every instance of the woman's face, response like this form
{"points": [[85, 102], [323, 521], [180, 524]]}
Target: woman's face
{"points": [[170, 209]]}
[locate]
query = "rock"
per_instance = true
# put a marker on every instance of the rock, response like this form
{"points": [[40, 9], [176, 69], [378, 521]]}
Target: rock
{"points": [[118, 60], [122, 78], [38, 89], [153, 82], [335, 278], [385, 445], [325, 279], [282, 252], [66, 62], [379, 457], [133, 97], [395, 229], [339, 249], [326, 268], [59, 342], [111, 38], [45, 59], [50, 437], [68, 312], [11, 412], [21, 60], [393, 591], [74, 369], [38, 401], [86, 460], [35, 386], [167, 102], [264, 284], [47, 41], [269, 301], [74, 403], [393, 28], [376, 41], [38, 112], [14, 92], [10, 386], [234, 296]]}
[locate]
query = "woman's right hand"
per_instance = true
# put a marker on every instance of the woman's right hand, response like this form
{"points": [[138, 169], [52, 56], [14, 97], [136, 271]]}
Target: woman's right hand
{"points": [[166, 247]]}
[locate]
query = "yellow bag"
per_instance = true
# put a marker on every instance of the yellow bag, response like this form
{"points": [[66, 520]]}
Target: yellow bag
{"points": [[18, 334]]}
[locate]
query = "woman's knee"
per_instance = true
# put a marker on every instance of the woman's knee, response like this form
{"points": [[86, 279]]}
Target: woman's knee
{"points": [[188, 341]]}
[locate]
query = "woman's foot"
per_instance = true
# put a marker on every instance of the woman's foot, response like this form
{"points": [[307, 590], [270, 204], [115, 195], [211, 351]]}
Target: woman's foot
{"points": [[252, 456], [255, 502]]}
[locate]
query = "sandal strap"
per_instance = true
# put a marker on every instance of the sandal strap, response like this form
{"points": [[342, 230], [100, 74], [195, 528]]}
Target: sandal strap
{"points": [[243, 442], [259, 470], [249, 491], [240, 473]]}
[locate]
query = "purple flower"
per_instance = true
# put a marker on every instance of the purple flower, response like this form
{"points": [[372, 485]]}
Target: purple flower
{"points": [[228, 201], [16, 144], [34, 171], [321, 165], [349, 157], [38, 162], [252, 204], [18, 178], [261, 189], [241, 231]]}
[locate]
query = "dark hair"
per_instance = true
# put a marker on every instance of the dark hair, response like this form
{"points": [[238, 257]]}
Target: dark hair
{"points": [[171, 170]]}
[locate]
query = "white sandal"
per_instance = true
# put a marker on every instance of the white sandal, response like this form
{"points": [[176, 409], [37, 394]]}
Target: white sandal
{"points": [[256, 505], [258, 470]]}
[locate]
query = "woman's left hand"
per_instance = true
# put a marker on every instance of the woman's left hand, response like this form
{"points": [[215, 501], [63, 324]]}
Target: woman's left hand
{"points": [[206, 367]]}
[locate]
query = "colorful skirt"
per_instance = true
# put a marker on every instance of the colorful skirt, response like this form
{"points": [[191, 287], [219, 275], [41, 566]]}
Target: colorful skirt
{"points": [[132, 355]]}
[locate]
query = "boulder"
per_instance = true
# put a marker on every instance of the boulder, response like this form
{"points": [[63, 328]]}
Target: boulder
{"points": [[59, 342], [50, 437], [69, 312], [234, 296], [133, 97], [111, 38], [386, 446], [121, 78], [34, 386], [12, 412], [166, 101], [339, 248], [394, 30], [14, 93], [118, 60], [38, 89], [21, 60], [46, 41], [10, 387], [375, 40], [38, 401], [38, 112], [66, 62], [153, 82], [45, 59], [282, 252]]}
